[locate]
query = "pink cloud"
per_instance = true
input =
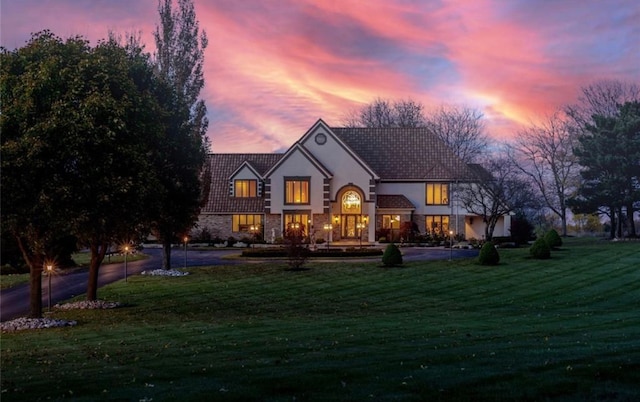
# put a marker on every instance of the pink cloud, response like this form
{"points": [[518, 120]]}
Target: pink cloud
{"points": [[272, 69]]}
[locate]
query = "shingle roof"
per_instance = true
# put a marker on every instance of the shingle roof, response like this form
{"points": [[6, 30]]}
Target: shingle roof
{"points": [[404, 153], [394, 201], [221, 167]]}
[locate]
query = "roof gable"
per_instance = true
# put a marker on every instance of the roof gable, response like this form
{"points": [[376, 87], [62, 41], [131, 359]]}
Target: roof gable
{"points": [[299, 148], [321, 127], [221, 167], [245, 165]]}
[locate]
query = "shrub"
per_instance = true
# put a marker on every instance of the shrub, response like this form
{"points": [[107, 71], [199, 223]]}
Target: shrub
{"points": [[553, 239], [392, 256], [489, 254], [231, 241], [540, 250]]}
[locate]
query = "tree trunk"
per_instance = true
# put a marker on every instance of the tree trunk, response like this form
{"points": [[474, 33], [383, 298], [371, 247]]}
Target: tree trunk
{"points": [[35, 290], [563, 218], [98, 250], [631, 223], [35, 280], [612, 230], [619, 222], [166, 252]]}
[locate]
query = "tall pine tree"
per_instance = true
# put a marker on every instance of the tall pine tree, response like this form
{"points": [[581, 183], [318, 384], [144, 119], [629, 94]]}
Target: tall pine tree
{"points": [[609, 151], [179, 61]]}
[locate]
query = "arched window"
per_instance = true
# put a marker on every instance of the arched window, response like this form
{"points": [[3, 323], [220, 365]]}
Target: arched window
{"points": [[351, 203]]}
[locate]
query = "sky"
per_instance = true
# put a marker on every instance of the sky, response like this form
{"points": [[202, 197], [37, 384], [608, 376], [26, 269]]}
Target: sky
{"points": [[274, 67]]}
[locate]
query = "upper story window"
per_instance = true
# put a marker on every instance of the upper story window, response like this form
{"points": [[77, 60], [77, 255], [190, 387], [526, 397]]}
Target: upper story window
{"points": [[437, 194], [246, 188], [351, 203], [296, 190]]}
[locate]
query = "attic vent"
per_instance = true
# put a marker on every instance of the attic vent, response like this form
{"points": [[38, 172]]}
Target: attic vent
{"points": [[230, 188]]}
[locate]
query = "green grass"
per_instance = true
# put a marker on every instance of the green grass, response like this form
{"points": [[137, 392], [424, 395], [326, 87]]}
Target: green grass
{"points": [[82, 259], [561, 329], [11, 280]]}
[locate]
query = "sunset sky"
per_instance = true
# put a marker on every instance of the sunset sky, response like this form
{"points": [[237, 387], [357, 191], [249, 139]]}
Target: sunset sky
{"points": [[273, 67]]}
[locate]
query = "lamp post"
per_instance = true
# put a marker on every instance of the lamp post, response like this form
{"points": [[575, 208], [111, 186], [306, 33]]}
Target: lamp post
{"points": [[253, 229], [328, 227], [360, 226], [450, 245], [186, 239], [126, 251], [49, 272]]}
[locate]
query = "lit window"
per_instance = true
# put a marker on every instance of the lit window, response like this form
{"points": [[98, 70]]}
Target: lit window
{"points": [[296, 190], [243, 223], [391, 221], [437, 224], [246, 188], [351, 203], [297, 219], [437, 194]]}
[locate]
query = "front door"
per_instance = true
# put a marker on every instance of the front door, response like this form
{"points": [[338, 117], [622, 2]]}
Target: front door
{"points": [[350, 226]]}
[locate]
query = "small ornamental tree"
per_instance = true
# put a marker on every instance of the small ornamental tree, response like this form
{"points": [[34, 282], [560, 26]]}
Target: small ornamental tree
{"points": [[540, 250], [553, 239], [489, 254], [392, 256], [297, 253]]}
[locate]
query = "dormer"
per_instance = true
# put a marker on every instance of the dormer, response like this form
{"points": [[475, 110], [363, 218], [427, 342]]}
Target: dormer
{"points": [[245, 182]]}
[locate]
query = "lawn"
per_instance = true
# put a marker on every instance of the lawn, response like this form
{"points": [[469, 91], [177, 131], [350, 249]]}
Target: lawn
{"points": [[562, 329]]}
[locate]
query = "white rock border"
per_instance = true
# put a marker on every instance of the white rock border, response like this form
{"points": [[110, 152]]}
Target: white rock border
{"points": [[87, 305], [164, 272], [21, 324]]}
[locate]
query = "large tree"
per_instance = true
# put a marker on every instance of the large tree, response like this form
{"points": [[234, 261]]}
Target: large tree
{"points": [[461, 128], [79, 126], [602, 99], [32, 80], [497, 190], [179, 62], [609, 151], [382, 113], [544, 152]]}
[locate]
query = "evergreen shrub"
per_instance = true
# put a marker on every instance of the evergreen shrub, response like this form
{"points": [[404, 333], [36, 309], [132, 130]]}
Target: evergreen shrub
{"points": [[392, 256], [540, 250], [553, 239], [489, 254]]}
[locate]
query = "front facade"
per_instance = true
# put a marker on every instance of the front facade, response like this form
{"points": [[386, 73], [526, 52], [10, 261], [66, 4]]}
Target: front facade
{"points": [[342, 185]]}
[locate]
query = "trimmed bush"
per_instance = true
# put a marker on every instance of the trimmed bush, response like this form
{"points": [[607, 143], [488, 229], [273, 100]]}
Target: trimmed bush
{"points": [[392, 256], [540, 250], [489, 254], [553, 239]]}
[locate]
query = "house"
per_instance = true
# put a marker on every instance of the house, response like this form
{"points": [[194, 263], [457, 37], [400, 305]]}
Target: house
{"points": [[342, 185]]}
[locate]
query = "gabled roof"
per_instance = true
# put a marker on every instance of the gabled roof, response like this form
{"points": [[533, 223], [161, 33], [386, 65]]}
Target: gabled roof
{"points": [[321, 126], [249, 166], [297, 147], [394, 201], [221, 168], [405, 153]]}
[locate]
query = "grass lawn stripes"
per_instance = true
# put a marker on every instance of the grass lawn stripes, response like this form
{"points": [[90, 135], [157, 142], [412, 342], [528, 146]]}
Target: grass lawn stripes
{"points": [[561, 329]]}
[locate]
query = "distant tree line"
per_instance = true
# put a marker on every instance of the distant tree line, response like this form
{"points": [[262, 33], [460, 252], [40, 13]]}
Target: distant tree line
{"points": [[584, 158]]}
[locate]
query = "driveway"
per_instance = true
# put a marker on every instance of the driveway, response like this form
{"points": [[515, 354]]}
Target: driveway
{"points": [[14, 302]]}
